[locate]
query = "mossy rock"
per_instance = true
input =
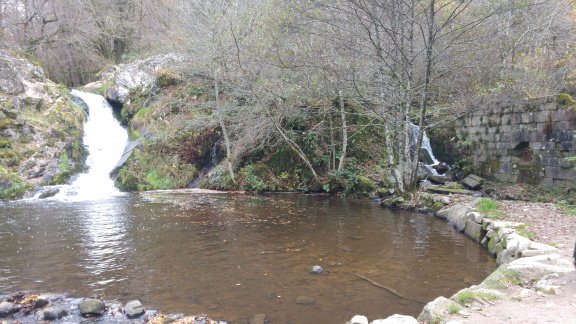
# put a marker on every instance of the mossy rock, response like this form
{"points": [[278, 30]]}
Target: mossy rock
{"points": [[393, 202], [364, 185], [446, 191], [436, 207]]}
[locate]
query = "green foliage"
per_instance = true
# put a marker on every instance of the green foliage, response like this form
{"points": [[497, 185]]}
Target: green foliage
{"points": [[364, 186], [11, 186], [253, 178], [489, 207], [64, 171], [5, 143]]}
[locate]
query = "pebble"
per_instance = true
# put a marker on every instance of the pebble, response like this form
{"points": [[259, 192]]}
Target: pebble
{"points": [[258, 319], [317, 269], [304, 300], [54, 313], [6, 309], [359, 319]]}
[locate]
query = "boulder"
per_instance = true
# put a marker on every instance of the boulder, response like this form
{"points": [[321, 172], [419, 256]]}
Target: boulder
{"points": [[456, 215], [396, 319], [134, 309], [436, 310], [53, 313], [476, 217], [447, 191], [474, 231], [438, 179], [441, 167], [531, 269], [473, 182], [49, 192], [393, 202], [92, 306], [6, 309]]}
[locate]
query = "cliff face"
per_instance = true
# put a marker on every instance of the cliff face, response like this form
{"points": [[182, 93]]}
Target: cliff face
{"points": [[40, 129]]}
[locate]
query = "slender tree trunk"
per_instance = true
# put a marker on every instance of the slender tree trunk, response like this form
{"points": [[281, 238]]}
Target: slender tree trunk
{"points": [[332, 142], [223, 127], [427, 83], [344, 133]]}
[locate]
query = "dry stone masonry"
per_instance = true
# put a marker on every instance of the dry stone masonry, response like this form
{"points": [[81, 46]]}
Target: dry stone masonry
{"points": [[526, 142]]}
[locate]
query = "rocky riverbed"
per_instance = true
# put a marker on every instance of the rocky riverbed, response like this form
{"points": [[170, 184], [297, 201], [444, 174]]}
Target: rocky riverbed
{"points": [[32, 307]]}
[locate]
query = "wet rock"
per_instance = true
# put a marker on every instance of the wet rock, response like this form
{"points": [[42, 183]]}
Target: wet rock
{"points": [[317, 269], [6, 309], [441, 167], [426, 157], [92, 306], [359, 319], [438, 179], [474, 231], [304, 300], [54, 313], [258, 319], [393, 202], [396, 319], [134, 309], [50, 192], [473, 182]]}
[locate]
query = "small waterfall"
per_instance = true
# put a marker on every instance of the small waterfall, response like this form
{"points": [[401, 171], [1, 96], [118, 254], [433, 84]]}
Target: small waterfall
{"points": [[211, 164], [105, 139], [425, 143]]}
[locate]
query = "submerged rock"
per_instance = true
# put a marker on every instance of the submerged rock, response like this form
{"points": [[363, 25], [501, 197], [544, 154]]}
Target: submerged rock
{"points": [[258, 319], [92, 306], [304, 300], [54, 313], [317, 269], [134, 309]]}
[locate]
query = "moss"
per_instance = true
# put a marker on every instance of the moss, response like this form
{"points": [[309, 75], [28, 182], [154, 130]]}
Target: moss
{"points": [[436, 207], [566, 100], [166, 78], [503, 279], [5, 143], [6, 123], [364, 185]]}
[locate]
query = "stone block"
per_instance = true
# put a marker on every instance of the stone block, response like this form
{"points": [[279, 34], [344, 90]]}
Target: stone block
{"points": [[455, 215], [473, 230], [527, 118]]}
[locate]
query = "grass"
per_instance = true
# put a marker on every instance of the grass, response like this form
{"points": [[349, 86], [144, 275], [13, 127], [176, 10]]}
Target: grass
{"points": [[467, 297], [454, 308], [489, 207], [567, 209], [523, 230]]}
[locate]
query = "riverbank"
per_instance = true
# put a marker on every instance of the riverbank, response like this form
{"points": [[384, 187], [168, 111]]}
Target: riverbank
{"points": [[535, 282]]}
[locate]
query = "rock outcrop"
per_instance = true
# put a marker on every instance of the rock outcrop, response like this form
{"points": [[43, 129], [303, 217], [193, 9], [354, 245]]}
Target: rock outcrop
{"points": [[40, 129]]}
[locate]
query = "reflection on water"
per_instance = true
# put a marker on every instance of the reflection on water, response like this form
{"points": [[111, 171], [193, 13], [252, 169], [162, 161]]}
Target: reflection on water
{"points": [[234, 256]]}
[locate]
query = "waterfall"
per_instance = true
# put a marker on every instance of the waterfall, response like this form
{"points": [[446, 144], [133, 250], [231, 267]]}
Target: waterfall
{"points": [[105, 139], [425, 143]]}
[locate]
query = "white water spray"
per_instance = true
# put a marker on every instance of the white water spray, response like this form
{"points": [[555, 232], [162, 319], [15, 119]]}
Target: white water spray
{"points": [[105, 139]]}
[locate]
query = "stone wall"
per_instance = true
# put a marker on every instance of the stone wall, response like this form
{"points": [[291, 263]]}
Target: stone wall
{"points": [[525, 142]]}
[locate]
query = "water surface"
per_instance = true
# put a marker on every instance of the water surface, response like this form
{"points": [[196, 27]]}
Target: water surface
{"points": [[233, 256]]}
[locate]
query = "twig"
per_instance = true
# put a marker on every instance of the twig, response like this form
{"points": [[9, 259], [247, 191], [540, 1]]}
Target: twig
{"points": [[390, 290]]}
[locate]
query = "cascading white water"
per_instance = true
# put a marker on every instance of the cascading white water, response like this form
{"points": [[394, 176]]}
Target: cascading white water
{"points": [[428, 147], [105, 139]]}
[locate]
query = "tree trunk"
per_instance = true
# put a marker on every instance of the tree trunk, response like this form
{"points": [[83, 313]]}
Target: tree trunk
{"points": [[344, 133], [426, 90], [223, 127]]}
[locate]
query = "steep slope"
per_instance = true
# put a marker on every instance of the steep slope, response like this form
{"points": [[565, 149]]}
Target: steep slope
{"points": [[40, 129]]}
